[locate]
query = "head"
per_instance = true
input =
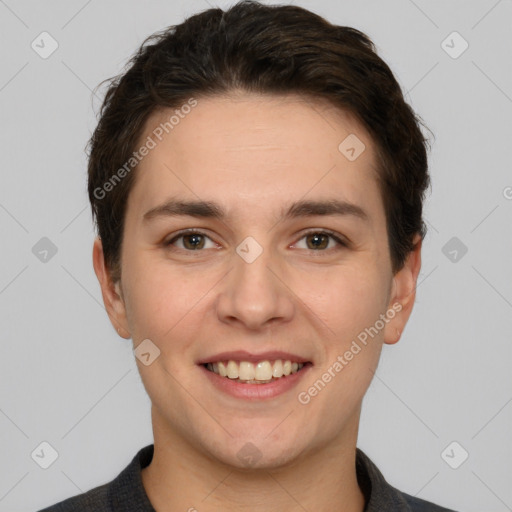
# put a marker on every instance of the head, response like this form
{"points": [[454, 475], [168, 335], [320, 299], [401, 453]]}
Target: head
{"points": [[308, 172]]}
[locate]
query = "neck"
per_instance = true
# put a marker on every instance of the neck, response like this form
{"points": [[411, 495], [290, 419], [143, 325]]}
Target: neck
{"points": [[181, 478]]}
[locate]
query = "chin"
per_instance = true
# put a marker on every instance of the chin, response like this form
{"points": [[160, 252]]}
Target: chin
{"points": [[253, 453]]}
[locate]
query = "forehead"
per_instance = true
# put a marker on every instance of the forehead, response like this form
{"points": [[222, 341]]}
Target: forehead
{"points": [[250, 151]]}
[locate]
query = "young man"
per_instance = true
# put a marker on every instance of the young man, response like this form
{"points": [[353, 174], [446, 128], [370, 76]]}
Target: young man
{"points": [[257, 181]]}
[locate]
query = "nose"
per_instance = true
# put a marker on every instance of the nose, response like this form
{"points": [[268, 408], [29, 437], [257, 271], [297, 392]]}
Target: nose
{"points": [[254, 293]]}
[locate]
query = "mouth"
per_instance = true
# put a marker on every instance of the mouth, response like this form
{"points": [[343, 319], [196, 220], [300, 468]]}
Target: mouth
{"points": [[254, 377], [258, 372]]}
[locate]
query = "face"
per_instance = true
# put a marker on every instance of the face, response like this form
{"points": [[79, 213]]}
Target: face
{"points": [[283, 258]]}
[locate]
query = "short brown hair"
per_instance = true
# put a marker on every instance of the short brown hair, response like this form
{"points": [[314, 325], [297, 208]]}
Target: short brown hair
{"points": [[265, 49]]}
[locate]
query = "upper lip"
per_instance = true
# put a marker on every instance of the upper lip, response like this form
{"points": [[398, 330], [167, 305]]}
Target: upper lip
{"points": [[243, 355]]}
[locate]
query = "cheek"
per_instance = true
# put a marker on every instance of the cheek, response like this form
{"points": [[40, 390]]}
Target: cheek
{"points": [[346, 298], [159, 297], [350, 305], [167, 302], [350, 302]]}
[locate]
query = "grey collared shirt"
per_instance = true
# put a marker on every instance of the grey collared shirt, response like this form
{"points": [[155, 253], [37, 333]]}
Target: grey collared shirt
{"points": [[126, 493]]}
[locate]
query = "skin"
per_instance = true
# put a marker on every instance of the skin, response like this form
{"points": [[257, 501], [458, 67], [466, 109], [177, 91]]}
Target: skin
{"points": [[254, 155]]}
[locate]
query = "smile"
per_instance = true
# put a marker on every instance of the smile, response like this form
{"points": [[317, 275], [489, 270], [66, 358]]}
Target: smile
{"points": [[262, 372]]}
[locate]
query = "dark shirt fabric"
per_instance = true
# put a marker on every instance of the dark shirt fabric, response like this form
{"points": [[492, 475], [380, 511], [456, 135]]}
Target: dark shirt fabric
{"points": [[126, 493]]}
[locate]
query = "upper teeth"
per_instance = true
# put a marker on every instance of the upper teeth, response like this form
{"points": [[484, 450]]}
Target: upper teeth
{"points": [[262, 371]]}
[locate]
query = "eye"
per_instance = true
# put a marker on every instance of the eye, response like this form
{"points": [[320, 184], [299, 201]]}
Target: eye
{"points": [[316, 240], [192, 240]]}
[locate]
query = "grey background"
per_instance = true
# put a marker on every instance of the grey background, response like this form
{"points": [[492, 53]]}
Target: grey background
{"points": [[68, 379]]}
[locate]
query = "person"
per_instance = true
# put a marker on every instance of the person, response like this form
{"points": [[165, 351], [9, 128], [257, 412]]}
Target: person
{"points": [[257, 181]]}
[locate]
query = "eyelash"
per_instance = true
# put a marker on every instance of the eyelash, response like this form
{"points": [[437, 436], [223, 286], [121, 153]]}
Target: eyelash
{"points": [[192, 231]]}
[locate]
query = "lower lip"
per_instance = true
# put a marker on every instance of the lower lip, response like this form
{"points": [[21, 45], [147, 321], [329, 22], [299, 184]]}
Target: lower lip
{"points": [[256, 391]]}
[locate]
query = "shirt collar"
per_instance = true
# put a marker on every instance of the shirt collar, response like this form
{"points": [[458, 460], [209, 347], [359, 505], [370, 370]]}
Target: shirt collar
{"points": [[126, 492], [379, 495]]}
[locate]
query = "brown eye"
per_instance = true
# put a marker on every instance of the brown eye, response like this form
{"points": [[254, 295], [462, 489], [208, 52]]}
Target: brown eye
{"points": [[319, 241], [190, 241], [193, 242]]}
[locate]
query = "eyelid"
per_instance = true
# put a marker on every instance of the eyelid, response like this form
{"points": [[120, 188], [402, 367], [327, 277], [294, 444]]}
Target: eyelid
{"points": [[338, 238], [183, 232]]}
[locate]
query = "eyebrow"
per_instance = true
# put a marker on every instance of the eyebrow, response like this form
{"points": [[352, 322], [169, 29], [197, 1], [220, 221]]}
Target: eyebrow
{"points": [[210, 209]]}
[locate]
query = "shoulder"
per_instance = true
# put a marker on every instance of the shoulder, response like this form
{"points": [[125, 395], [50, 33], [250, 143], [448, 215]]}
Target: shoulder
{"points": [[381, 496], [125, 493], [94, 499]]}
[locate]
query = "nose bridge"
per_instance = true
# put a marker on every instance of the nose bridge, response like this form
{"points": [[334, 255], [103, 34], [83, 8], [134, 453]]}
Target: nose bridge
{"points": [[253, 294]]}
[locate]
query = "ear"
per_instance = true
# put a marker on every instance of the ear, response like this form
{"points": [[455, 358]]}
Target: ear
{"points": [[403, 294], [111, 292]]}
